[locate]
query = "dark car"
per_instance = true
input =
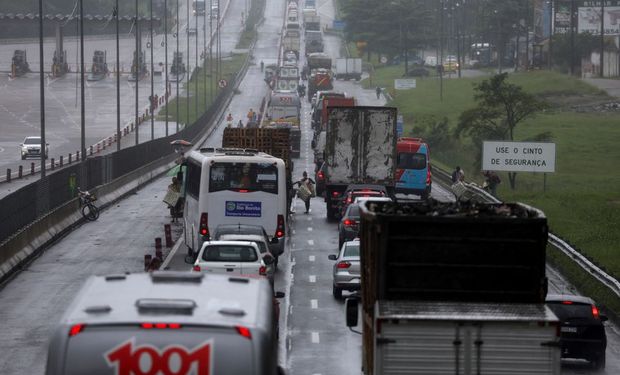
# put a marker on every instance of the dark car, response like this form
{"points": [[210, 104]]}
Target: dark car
{"points": [[348, 227], [417, 72], [354, 191], [223, 229], [582, 333]]}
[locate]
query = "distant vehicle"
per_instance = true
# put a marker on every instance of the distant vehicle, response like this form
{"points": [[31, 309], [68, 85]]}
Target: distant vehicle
{"points": [[430, 61], [418, 72], [31, 147], [248, 229], [346, 270], [582, 333], [481, 54], [450, 64], [263, 247], [361, 190], [231, 258], [349, 68], [178, 322], [215, 11], [233, 186], [348, 227], [413, 167], [198, 7]]}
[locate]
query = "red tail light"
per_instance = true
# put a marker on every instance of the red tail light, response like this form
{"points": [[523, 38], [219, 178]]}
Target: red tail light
{"points": [[399, 174], [280, 228], [321, 175], [343, 265], [335, 194], [567, 302], [428, 176], [244, 331], [204, 225], [262, 271], [349, 222], [196, 268], [160, 325], [595, 312], [243, 190], [76, 329]]}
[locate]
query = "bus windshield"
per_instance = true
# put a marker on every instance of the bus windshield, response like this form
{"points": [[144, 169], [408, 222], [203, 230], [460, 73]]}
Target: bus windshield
{"points": [[244, 177]]}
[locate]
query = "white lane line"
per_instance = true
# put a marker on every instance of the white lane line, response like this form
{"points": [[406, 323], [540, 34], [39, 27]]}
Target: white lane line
{"points": [[309, 218], [315, 338], [312, 279], [309, 229], [314, 303], [312, 258], [293, 231], [311, 242]]}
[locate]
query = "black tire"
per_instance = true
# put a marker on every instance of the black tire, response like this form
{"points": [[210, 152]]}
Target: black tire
{"points": [[598, 362], [90, 212], [275, 263], [337, 292]]}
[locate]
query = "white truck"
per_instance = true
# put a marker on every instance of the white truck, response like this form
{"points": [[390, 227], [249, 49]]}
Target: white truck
{"points": [[290, 41], [349, 68], [454, 288], [360, 148]]}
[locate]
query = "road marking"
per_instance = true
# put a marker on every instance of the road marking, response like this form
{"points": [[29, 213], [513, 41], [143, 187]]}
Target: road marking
{"points": [[312, 258], [313, 280], [311, 242], [293, 231], [315, 338], [314, 303], [309, 229], [309, 218]]}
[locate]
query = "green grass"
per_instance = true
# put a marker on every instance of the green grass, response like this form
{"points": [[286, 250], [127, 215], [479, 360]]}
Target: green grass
{"points": [[230, 67], [582, 198]]}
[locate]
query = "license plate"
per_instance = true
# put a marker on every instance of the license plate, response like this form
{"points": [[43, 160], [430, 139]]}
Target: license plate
{"points": [[569, 329]]}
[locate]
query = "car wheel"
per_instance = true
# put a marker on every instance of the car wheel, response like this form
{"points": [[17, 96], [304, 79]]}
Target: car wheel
{"points": [[337, 292], [275, 264], [598, 362]]}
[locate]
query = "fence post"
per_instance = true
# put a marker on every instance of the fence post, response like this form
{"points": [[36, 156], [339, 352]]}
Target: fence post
{"points": [[8, 175], [32, 168], [20, 172]]}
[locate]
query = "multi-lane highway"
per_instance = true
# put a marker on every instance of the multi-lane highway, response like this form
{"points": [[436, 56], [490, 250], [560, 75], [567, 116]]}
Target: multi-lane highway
{"points": [[313, 336]]}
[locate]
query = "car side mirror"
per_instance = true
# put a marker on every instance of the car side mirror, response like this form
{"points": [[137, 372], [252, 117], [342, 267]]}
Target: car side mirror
{"points": [[350, 306], [279, 295], [268, 260], [274, 241], [332, 257]]}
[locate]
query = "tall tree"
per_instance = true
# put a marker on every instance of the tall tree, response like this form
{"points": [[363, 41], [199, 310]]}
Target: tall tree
{"points": [[501, 106]]}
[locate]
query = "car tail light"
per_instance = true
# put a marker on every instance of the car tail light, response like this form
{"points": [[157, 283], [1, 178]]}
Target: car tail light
{"points": [[428, 176], [321, 175], [343, 265], [567, 302], [160, 325], [243, 190], [204, 225], [196, 268], [280, 228], [349, 200], [262, 271], [76, 329], [349, 222], [399, 174], [244, 331], [335, 194], [595, 312]]}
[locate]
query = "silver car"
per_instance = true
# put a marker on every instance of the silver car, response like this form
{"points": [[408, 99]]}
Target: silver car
{"points": [[232, 258], [347, 268], [263, 247]]}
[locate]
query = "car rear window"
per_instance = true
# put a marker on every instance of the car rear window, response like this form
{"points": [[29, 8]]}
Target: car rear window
{"points": [[408, 160], [354, 211], [571, 311], [32, 141], [261, 245], [352, 250], [229, 253]]}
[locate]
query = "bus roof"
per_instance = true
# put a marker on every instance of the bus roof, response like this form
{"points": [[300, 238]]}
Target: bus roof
{"points": [[181, 297], [232, 155]]}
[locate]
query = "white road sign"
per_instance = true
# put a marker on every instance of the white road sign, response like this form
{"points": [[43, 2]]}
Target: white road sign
{"points": [[404, 84], [518, 156], [222, 83]]}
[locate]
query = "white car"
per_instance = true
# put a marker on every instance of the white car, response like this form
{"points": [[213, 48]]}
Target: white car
{"points": [[263, 247], [231, 257], [32, 147]]}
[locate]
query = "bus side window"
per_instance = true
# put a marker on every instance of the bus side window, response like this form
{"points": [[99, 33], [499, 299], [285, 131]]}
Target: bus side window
{"points": [[192, 186]]}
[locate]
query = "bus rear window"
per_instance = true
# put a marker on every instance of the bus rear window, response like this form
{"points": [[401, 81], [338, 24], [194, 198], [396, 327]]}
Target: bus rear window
{"points": [[244, 177], [407, 160]]}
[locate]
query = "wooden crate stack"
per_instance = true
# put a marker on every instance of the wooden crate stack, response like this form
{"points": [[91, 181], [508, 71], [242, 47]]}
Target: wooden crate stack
{"points": [[275, 142]]}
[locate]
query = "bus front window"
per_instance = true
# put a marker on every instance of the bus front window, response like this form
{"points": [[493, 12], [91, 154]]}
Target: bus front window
{"points": [[244, 176]]}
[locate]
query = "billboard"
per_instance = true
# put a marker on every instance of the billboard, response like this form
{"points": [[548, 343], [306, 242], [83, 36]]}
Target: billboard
{"points": [[518, 156], [589, 20]]}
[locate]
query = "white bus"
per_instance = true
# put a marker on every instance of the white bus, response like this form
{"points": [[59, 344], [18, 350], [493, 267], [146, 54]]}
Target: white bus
{"points": [[234, 186]]}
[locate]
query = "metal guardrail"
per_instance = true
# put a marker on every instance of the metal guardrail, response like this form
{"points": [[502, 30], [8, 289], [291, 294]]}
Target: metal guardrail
{"points": [[574, 254]]}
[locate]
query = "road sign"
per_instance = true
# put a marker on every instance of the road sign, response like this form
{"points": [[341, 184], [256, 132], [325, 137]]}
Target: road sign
{"points": [[404, 84], [518, 156], [339, 25], [222, 83], [383, 60]]}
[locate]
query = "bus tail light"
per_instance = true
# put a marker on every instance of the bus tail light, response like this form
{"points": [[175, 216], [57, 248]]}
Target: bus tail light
{"points": [[204, 226], [280, 228]]}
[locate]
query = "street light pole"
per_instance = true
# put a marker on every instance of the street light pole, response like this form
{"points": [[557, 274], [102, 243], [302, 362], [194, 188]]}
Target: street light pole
{"points": [[42, 88], [189, 71], [196, 67], [601, 60], [137, 71], [178, 82], [153, 104], [118, 85], [83, 104], [166, 58]]}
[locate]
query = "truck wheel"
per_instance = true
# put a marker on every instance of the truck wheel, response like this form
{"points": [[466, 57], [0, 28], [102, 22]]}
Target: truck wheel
{"points": [[337, 292]]}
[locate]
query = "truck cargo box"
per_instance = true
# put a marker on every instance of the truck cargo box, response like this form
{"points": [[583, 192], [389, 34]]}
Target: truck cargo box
{"points": [[427, 250]]}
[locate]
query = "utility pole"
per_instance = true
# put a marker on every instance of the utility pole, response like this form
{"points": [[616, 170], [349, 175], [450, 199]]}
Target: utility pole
{"points": [[204, 53], [118, 84], [572, 37], [166, 58], [440, 62], [152, 102], [42, 88], [527, 35], [196, 83], [211, 50], [601, 60], [189, 71], [178, 114], [137, 71], [82, 109], [551, 22]]}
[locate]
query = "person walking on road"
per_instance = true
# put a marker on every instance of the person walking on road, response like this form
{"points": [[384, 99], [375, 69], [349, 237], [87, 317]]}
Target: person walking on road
{"points": [[491, 182], [378, 91], [458, 175], [262, 65], [306, 189]]}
